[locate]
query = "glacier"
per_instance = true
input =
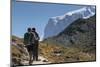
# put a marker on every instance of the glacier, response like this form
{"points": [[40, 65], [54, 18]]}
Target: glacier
{"points": [[57, 24]]}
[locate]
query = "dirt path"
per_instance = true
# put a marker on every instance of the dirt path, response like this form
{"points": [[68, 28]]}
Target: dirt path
{"points": [[42, 61]]}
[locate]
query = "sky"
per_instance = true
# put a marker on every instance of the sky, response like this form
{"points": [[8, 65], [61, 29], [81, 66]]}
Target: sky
{"points": [[32, 14]]}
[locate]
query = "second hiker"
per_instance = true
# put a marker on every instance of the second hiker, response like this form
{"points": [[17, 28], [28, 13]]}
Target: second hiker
{"points": [[36, 44]]}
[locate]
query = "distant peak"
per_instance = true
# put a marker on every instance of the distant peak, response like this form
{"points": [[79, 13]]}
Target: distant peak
{"points": [[58, 23], [90, 9]]}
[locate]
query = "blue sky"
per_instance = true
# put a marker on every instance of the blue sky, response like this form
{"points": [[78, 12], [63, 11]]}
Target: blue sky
{"points": [[30, 14]]}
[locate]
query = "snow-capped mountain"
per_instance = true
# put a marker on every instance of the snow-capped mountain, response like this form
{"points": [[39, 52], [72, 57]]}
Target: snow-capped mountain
{"points": [[59, 23]]}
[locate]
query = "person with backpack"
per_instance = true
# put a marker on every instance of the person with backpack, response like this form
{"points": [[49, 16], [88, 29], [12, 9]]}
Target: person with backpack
{"points": [[36, 44], [28, 36]]}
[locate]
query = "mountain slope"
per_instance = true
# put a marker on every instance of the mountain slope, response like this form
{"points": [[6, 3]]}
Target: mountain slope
{"points": [[57, 24], [77, 42], [81, 30]]}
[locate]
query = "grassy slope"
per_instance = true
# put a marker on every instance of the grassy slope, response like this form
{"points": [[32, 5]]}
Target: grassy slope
{"points": [[18, 54], [68, 54]]}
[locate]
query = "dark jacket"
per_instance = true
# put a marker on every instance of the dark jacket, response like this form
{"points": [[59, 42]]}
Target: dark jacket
{"points": [[27, 38]]}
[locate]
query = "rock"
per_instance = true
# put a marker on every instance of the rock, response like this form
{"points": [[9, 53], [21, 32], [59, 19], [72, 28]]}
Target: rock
{"points": [[45, 60]]}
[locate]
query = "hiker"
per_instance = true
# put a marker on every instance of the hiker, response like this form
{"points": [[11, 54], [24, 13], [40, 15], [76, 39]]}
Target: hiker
{"points": [[36, 44], [28, 43]]}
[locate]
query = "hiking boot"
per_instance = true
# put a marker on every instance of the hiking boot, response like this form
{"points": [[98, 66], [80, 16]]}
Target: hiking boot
{"points": [[30, 62], [38, 59]]}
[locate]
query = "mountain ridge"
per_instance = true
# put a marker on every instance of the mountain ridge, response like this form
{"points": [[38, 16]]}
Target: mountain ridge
{"points": [[78, 41], [80, 33], [57, 24]]}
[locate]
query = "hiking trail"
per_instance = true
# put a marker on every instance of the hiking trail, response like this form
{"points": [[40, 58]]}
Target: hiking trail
{"points": [[42, 61]]}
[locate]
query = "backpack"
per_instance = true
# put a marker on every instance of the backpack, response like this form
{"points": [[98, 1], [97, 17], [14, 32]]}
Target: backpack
{"points": [[27, 37]]}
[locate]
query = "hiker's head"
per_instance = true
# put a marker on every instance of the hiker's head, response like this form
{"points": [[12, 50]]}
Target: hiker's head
{"points": [[33, 29], [29, 29]]}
